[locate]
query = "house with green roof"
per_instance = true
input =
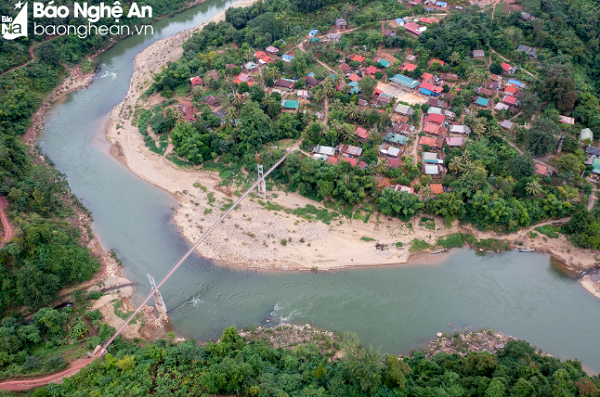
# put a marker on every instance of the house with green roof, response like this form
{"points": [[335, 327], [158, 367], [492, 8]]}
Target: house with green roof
{"points": [[402, 81], [290, 104], [483, 102]]}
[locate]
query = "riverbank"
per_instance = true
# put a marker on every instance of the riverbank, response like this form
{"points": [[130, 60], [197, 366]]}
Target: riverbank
{"points": [[254, 236]]}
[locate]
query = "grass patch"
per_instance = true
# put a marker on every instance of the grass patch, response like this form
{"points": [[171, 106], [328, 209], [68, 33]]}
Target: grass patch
{"points": [[179, 162], [492, 244], [549, 230], [427, 223], [160, 149], [329, 204], [311, 212], [399, 244], [211, 197], [365, 238], [455, 240], [419, 245], [273, 206]]}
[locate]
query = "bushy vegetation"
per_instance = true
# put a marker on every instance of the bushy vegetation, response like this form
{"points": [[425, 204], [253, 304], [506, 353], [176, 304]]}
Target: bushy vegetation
{"points": [[235, 366]]}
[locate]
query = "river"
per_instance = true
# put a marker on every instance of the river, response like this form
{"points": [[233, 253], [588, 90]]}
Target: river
{"points": [[397, 308]]}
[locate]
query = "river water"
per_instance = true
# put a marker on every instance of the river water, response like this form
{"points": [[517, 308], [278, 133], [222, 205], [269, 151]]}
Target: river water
{"points": [[396, 308]]}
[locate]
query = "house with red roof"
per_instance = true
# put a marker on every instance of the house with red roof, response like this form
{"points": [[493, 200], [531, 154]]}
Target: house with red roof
{"points": [[413, 29], [508, 69], [510, 90], [345, 67], [432, 128], [430, 89], [436, 188], [350, 160], [187, 110], [510, 100], [243, 77], [371, 70], [433, 143], [435, 118], [363, 134], [354, 77], [196, 81], [541, 169], [332, 160], [272, 50], [441, 63], [427, 77], [357, 58], [409, 67]]}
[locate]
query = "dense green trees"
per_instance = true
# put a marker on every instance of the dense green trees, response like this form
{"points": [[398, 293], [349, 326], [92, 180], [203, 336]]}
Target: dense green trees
{"points": [[401, 205], [541, 138], [234, 365]]}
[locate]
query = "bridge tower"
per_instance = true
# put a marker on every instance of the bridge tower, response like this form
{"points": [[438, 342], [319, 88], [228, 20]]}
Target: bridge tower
{"points": [[262, 186], [158, 300]]}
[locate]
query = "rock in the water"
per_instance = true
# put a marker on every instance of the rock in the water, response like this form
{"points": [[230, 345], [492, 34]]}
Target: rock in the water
{"points": [[439, 334]]}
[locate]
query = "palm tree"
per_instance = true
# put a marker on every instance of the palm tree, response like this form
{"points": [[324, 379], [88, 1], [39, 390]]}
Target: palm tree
{"points": [[534, 188], [308, 118], [454, 57], [426, 192], [347, 132], [381, 167], [248, 54], [328, 88], [340, 77], [456, 164], [479, 126], [178, 116], [273, 73], [237, 101], [337, 105], [362, 116], [319, 96], [352, 111], [453, 90]]}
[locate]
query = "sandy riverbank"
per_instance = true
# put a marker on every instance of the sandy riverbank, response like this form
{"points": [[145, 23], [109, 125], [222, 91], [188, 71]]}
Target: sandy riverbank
{"points": [[252, 237]]}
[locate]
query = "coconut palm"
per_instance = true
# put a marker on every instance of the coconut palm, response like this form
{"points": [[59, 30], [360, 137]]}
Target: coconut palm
{"points": [[352, 111], [347, 132], [425, 192], [178, 116], [272, 73], [362, 116], [319, 96], [340, 77], [454, 57], [328, 88], [534, 188], [479, 126], [456, 164], [248, 54], [308, 118], [237, 101], [336, 105], [381, 167], [453, 90]]}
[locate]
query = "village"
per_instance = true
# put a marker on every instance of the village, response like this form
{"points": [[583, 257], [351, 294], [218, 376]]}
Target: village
{"points": [[422, 125]]}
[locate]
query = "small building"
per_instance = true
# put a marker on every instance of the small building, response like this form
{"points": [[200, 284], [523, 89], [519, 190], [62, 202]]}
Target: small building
{"points": [[592, 150], [506, 125], [428, 77], [326, 150], [436, 188], [389, 33], [212, 101], [460, 129], [350, 150], [243, 77], [344, 67], [586, 133], [430, 89], [389, 150], [402, 188], [311, 81], [287, 58], [437, 103], [196, 81], [284, 83], [290, 105], [478, 54], [454, 141], [357, 58], [332, 160], [433, 129], [313, 33], [384, 98], [304, 94], [566, 120], [272, 50], [434, 118], [414, 29], [354, 77], [434, 170], [334, 36], [527, 17], [363, 134], [483, 102], [510, 100], [510, 90], [433, 143], [399, 21], [431, 158], [408, 67], [404, 109], [439, 62], [501, 106], [541, 169], [396, 138], [383, 62], [230, 66], [187, 110], [250, 67], [508, 69], [372, 71], [486, 92], [341, 23], [532, 52]]}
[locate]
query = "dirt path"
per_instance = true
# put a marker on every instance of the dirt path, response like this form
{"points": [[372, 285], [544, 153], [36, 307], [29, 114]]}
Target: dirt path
{"points": [[416, 144], [8, 229], [24, 384], [592, 200]]}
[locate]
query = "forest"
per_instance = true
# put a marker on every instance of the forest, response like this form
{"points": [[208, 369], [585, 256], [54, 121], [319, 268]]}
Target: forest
{"points": [[235, 366]]}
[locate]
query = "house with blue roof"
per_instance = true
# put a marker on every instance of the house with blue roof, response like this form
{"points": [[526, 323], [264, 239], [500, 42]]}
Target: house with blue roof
{"points": [[384, 63], [400, 21], [313, 33], [396, 138], [516, 83], [482, 102], [287, 58], [442, 4]]}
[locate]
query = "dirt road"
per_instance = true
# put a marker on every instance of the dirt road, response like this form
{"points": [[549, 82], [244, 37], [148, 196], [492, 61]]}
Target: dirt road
{"points": [[24, 384], [8, 229]]}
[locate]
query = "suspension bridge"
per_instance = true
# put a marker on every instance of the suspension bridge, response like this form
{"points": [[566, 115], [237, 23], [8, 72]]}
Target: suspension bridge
{"points": [[100, 350]]}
